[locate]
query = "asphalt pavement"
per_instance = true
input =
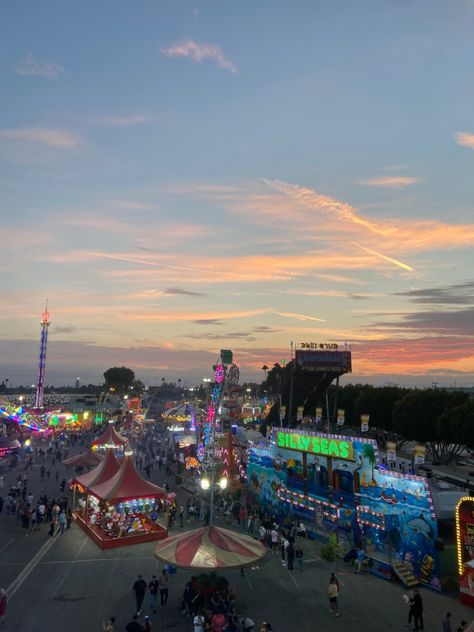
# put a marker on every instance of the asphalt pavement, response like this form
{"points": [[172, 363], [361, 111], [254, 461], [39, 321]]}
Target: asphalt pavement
{"points": [[66, 583]]}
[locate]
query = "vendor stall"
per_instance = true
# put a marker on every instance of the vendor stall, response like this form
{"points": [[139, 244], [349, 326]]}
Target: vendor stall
{"points": [[122, 510], [110, 439]]}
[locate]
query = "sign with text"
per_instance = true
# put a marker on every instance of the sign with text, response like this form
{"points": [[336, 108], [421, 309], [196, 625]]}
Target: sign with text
{"points": [[321, 360], [364, 423], [320, 446], [420, 451], [316, 345]]}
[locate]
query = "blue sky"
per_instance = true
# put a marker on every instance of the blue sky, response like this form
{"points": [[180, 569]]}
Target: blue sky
{"points": [[177, 177]]}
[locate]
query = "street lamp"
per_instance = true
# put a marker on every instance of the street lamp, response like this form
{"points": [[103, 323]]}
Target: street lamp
{"points": [[205, 483], [223, 483]]}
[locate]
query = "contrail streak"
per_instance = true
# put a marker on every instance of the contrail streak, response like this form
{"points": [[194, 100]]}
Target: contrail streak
{"points": [[299, 316], [400, 264]]}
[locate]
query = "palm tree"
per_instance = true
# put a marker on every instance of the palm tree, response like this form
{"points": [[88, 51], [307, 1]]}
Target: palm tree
{"points": [[369, 454], [265, 369]]}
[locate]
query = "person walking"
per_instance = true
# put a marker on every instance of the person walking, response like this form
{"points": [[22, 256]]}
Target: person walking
{"points": [[274, 540], [418, 610], [139, 588], [108, 626], [198, 622], [333, 594], [3, 606], [163, 586], [68, 518], [146, 624], [360, 559], [153, 588], [181, 516], [62, 522], [462, 626], [299, 557], [447, 623], [411, 605], [290, 555]]}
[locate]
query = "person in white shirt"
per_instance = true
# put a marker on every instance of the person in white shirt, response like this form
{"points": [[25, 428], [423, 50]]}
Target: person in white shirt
{"points": [[198, 622], [274, 536]]}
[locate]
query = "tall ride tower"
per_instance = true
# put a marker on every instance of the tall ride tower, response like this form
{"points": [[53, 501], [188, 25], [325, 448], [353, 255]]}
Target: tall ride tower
{"points": [[42, 358]]}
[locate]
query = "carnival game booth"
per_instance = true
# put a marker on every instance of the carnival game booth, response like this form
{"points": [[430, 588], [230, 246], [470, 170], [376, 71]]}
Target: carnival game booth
{"points": [[122, 510], [110, 439], [339, 487]]}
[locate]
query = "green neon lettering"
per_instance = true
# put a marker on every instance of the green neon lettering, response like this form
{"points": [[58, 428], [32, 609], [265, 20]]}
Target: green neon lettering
{"points": [[344, 447], [333, 448], [304, 443], [293, 443], [324, 446], [281, 439]]}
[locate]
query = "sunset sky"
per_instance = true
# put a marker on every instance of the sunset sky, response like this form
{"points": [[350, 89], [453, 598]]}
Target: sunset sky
{"points": [[180, 177]]}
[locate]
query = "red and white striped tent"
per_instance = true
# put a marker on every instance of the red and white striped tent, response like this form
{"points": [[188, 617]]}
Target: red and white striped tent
{"points": [[84, 459], [109, 439], [210, 548], [108, 466]]}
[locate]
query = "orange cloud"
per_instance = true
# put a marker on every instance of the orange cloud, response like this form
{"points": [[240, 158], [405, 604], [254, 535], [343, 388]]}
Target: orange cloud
{"points": [[390, 182], [465, 139]]}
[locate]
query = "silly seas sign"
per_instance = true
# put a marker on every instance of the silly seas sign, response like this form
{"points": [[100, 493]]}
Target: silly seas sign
{"points": [[318, 445]]}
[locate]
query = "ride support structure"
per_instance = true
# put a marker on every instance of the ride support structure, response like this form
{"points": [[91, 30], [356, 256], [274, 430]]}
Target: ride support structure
{"points": [[45, 322]]}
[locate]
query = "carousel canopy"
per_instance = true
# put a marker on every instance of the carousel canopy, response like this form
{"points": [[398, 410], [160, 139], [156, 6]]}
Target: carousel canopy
{"points": [[210, 548], [183, 413], [100, 474], [126, 484], [84, 459], [110, 438]]}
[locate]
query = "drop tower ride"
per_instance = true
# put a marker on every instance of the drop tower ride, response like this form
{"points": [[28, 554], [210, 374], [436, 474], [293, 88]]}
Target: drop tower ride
{"points": [[45, 322]]}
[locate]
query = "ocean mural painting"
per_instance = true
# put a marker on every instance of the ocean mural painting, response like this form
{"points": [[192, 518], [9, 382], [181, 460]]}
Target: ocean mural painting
{"points": [[337, 484]]}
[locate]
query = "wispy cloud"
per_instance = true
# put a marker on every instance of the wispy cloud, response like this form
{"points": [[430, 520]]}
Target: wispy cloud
{"points": [[390, 182], [208, 321], [456, 294], [198, 53], [57, 138], [39, 67], [465, 139], [122, 121], [178, 291], [344, 211]]}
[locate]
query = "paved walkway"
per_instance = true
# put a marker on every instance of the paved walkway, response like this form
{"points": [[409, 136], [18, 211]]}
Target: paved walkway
{"points": [[68, 585]]}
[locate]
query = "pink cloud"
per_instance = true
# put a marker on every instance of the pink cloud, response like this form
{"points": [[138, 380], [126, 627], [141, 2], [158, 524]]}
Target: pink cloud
{"points": [[465, 139], [56, 138]]}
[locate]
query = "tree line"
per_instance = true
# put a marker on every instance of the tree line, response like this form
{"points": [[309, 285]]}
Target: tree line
{"points": [[442, 420]]}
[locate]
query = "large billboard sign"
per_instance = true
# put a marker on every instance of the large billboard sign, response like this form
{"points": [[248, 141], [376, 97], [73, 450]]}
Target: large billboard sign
{"points": [[321, 360], [320, 445], [465, 548]]}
